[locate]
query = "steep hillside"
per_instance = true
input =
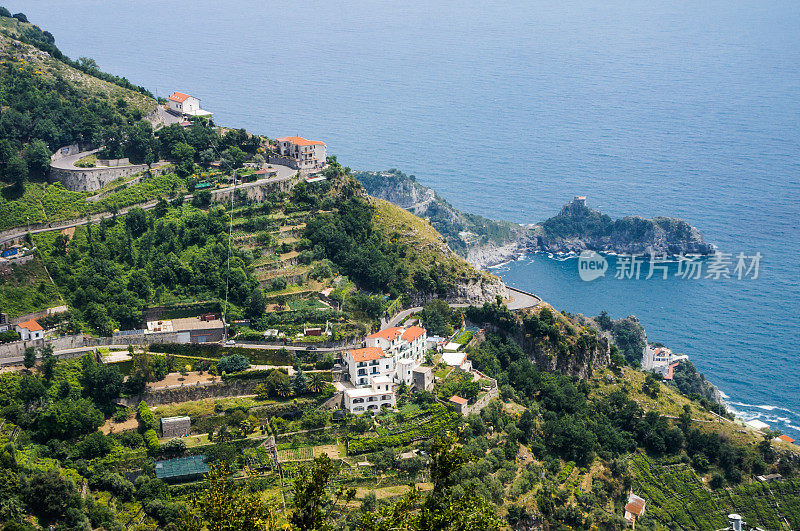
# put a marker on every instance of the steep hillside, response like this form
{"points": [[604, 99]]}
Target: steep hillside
{"points": [[551, 340]]}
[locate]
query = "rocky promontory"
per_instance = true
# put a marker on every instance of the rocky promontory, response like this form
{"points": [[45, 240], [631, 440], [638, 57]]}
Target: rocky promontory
{"points": [[485, 242], [577, 228]]}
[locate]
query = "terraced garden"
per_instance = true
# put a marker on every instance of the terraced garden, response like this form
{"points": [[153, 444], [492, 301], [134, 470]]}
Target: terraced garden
{"points": [[676, 497]]}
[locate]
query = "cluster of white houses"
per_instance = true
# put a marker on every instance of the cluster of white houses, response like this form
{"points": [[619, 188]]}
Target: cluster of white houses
{"points": [[390, 357]]}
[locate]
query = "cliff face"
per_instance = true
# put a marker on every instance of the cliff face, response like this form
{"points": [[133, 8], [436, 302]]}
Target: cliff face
{"points": [[550, 339]]}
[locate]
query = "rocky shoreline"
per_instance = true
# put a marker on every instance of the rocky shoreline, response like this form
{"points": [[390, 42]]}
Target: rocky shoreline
{"points": [[487, 243]]}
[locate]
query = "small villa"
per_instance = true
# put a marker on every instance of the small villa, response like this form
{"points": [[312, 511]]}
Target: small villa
{"points": [[307, 154], [29, 330], [185, 105]]}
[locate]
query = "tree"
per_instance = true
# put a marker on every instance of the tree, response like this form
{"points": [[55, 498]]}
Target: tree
{"points": [[136, 222], [37, 157], [233, 363], [21, 17], [49, 362], [50, 495], [437, 317], [67, 419], [16, 171], [256, 304], [30, 357], [313, 503], [183, 155], [103, 384], [316, 383], [225, 506], [300, 383], [278, 384], [139, 147]]}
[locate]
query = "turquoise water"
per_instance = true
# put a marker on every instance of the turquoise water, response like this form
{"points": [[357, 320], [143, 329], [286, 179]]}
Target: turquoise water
{"points": [[509, 109]]}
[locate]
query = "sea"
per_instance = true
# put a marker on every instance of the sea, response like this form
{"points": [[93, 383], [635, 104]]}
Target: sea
{"points": [[509, 109]]}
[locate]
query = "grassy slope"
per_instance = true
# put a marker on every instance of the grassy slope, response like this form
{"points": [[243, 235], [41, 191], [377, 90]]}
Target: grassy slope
{"points": [[428, 245], [10, 29], [28, 289]]}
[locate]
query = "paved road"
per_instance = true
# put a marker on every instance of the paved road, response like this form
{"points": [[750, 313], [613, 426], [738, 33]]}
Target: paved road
{"points": [[520, 299], [68, 162]]}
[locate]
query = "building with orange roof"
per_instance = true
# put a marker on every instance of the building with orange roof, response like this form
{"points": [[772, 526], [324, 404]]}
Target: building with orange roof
{"points": [[634, 509], [307, 154], [461, 404], [392, 353], [784, 438], [185, 105], [29, 330]]}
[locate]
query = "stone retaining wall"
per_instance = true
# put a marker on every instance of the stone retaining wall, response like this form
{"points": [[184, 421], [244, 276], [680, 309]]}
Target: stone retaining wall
{"points": [[17, 348], [90, 179], [196, 391]]}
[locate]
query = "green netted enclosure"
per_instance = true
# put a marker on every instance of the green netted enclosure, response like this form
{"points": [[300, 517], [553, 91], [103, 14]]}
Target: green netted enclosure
{"points": [[182, 469]]}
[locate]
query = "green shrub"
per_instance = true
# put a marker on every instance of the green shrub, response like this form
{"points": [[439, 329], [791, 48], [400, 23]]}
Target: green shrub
{"points": [[146, 417], [151, 441]]}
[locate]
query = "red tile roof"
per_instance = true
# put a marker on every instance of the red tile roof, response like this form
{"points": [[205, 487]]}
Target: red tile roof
{"points": [[300, 141], [31, 325], [635, 507], [260, 172], [366, 354], [387, 333], [412, 333], [458, 400], [785, 438], [180, 97]]}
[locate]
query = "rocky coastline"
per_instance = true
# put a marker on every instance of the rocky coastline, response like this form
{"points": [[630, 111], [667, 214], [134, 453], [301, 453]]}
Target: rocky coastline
{"points": [[487, 243]]}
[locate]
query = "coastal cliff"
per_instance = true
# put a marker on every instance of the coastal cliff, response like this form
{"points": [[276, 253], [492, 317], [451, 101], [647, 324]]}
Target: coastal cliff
{"points": [[552, 340], [577, 228], [484, 242]]}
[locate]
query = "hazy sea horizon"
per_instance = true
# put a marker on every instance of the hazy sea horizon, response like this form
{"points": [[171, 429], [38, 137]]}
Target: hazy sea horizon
{"points": [[508, 110]]}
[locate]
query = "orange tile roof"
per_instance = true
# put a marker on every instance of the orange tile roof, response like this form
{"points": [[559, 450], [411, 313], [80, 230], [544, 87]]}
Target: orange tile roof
{"points": [[387, 333], [785, 438], [458, 400], [31, 325], [366, 354], [300, 141], [635, 507], [179, 97], [412, 333]]}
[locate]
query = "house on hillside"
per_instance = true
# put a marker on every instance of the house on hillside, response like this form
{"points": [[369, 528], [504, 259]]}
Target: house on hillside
{"points": [[29, 330], [379, 394], [461, 404], [307, 154], [634, 509], [175, 426], [185, 105], [392, 354]]}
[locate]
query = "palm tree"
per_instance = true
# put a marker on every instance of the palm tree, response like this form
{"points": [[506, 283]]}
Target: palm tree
{"points": [[316, 383], [283, 389]]}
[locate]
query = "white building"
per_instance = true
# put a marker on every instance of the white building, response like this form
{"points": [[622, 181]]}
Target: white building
{"points": [[391, 355], [378, 395], [661, 360], [29, 330], [308, 154], [180, 103]]}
